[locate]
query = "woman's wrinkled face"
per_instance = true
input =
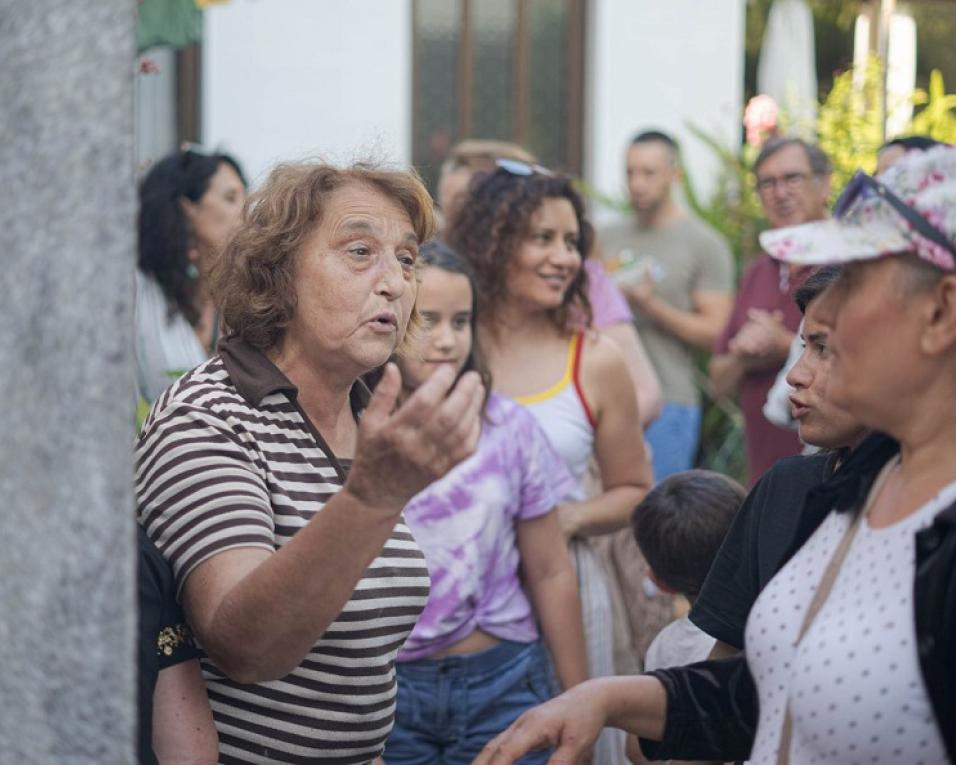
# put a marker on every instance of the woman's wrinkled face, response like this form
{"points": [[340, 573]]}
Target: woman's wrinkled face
{"points": [[820, 422], [355, 282], [873, 320], [216, 215], [445, 304], [548, 258]]}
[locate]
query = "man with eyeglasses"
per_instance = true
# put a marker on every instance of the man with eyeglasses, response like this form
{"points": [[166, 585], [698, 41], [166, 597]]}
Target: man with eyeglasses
{"points": [[793, 182]]}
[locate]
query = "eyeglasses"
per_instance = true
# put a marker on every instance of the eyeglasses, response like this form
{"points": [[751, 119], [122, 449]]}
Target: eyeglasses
{"points": [[523, 169], [790, 181], [862, 185]]}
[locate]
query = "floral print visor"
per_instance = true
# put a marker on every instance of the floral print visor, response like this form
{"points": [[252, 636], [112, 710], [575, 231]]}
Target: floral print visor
{"points": [[910, 208]]}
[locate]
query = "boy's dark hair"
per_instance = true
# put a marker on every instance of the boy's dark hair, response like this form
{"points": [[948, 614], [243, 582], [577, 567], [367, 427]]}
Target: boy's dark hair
{"points": [[681, 523], [815, 284]]}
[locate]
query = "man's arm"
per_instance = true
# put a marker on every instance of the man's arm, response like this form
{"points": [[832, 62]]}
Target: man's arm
{"points": [[698, 328], [763, 342]]}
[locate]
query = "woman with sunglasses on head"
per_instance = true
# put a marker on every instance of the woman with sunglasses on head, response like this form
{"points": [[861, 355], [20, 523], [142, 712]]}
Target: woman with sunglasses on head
{"points": [[190, 204], [523, 232], [501, 577], [611, 313], [849, 648]]}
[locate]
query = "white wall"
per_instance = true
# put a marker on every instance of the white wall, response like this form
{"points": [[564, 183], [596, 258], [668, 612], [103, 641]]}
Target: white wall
{"points": [[156, 108], [652, 63], [285, 79]]}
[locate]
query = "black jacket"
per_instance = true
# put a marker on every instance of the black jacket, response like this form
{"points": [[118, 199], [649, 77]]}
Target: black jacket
{"points": [[712, 705]]}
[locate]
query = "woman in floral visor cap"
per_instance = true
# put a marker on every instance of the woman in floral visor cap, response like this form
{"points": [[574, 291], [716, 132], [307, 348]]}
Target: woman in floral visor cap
{"points": [[849, 649]]}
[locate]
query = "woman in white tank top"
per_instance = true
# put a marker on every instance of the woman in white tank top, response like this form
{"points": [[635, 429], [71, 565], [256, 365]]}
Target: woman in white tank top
{"points": [[523, 231]]}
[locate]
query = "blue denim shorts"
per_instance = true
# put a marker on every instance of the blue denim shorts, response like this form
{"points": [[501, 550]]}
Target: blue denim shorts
{"points": [[674, 438], [448, 709]]}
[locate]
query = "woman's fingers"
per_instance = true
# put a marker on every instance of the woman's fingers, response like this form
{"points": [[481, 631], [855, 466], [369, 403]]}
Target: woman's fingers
{"points": [[526, 735], [385, 396], [445, 427], [422, 405]]}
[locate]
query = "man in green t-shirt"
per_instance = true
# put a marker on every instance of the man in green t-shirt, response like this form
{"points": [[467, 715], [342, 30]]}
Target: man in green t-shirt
{"points": [[677, 274]]}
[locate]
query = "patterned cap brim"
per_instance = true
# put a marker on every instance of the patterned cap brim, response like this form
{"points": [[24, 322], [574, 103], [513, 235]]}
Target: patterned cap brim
{"points": [[831, 241]]}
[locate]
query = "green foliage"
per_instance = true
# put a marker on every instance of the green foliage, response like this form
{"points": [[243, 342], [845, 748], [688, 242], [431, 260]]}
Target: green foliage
{"points": [[733, 208], [142, 411], [849, 125], [937, 118]]}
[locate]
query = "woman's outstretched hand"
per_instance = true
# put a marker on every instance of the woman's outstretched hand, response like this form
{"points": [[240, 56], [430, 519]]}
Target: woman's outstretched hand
{"points": [[402, 450], [569, 724]]}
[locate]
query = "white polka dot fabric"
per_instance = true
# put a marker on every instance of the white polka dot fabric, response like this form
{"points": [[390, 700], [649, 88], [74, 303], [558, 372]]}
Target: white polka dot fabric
{"points": [[854, 685]]}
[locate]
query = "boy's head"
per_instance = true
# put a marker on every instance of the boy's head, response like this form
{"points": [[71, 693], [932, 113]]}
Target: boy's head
{"points": [[680, 524]]}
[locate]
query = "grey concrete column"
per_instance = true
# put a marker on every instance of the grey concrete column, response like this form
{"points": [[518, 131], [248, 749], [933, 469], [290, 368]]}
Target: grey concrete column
{"points": [[67, 250]]}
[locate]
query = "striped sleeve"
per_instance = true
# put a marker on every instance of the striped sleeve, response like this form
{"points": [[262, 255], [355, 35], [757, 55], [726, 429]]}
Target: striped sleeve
{"points": [[198, 489]]}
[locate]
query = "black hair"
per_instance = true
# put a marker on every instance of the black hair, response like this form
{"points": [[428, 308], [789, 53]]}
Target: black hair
{"points": [[815, 284], [163, 230], [681, 524], [910, 142], [658, 136], [819, 162]]}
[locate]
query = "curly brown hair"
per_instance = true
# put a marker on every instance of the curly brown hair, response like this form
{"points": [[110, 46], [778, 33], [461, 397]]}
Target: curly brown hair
{"points": [[253, 280], [494, 222]]}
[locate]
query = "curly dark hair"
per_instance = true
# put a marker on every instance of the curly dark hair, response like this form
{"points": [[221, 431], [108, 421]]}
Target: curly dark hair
{"points": [[162, 226], [493, 223]]}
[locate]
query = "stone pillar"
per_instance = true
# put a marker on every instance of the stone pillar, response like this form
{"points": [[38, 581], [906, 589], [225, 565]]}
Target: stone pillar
{"points": [[67, 252]]}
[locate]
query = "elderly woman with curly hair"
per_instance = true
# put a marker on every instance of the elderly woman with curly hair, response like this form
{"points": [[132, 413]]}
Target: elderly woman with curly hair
{"points": [[273, 482], [524, 233]]}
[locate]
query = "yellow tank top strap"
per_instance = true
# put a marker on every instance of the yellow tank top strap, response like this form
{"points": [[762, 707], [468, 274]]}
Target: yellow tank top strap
{"points": [[561, 384]]}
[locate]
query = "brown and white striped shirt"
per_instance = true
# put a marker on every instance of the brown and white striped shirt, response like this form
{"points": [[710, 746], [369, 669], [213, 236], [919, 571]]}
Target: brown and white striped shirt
{"points": [[228, 459]]}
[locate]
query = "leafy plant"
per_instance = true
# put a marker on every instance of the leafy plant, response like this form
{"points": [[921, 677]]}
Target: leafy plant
{"points": [[937, 118], [849, 125]]}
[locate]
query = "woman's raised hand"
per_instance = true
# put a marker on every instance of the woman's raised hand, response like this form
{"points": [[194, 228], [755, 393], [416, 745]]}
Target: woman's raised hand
{"points": [[400, 451]]}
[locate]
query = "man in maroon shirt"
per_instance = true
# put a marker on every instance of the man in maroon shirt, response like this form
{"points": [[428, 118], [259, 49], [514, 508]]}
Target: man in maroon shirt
{"points": [[793, 181]]}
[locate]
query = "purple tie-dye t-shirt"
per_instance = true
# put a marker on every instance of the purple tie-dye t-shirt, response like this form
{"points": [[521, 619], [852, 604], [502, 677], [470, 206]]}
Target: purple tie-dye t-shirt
{"points": [[465, 523]]}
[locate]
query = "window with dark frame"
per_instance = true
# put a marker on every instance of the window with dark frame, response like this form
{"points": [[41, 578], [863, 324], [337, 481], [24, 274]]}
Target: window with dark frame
{"points": [[510, 70]]}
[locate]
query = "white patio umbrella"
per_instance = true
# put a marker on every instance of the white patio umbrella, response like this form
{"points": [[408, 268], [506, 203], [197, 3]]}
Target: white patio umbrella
{"points": [[786, 69]]}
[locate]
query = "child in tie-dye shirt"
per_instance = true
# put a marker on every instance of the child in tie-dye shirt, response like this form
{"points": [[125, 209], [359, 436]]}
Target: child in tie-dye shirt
{"points": [[497, 557]]}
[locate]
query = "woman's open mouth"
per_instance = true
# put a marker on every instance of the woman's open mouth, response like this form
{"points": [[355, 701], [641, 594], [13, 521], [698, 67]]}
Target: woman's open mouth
{"points": [[384, 322], [797, 408]]}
